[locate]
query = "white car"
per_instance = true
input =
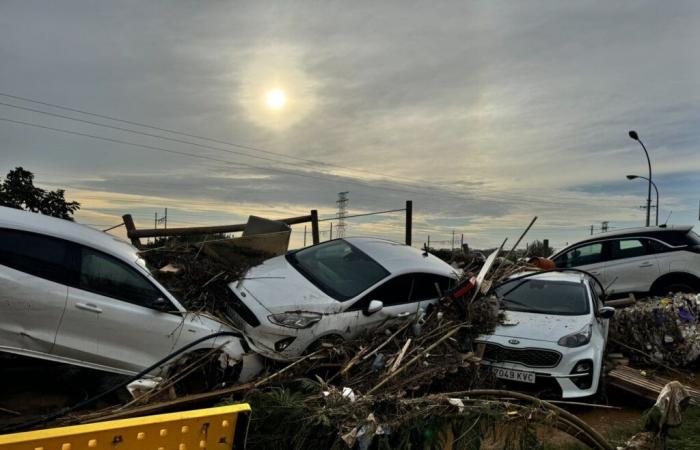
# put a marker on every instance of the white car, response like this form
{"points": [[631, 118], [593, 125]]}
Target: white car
{"points": [[75, 295], [554, 335], [334, 290], [653, 259]]}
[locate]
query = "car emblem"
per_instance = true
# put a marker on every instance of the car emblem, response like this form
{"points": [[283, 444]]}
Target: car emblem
{"points": [[513, 341]]}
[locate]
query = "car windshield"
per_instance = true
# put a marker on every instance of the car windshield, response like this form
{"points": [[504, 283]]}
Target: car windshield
{"points": [[337, 268], [545, 297]]}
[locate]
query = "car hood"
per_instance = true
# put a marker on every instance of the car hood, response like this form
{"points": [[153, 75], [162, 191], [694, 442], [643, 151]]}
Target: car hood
{"points": [[278, 287], [539, 327]]}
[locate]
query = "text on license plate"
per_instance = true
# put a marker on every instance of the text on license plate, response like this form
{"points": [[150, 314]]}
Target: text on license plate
{"points": [[515, 375]]}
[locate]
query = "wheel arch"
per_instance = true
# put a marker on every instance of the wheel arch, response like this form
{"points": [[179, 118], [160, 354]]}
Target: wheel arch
{"points": [[673, 278]]}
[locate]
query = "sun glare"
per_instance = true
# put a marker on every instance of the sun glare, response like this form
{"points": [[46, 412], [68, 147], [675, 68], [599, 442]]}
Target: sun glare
{"points": [[276, 98]]}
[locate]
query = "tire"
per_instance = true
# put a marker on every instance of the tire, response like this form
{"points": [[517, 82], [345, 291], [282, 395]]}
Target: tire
{"points": [[676, 283]]}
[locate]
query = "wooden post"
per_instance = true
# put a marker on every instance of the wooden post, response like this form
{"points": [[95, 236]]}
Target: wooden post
{"points": [[304, 235], [409, 221], [129, 224], [314, 226], [331, 235]]}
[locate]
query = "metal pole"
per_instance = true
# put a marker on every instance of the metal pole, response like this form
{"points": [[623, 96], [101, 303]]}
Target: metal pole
{"points": [[314, 227], [635, 136], [409, 221]]}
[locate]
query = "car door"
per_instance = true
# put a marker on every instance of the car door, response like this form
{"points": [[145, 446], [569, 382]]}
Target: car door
{"points": [[589, 257], [395, 294], [632, 266], [112, 318], [33, 292]]}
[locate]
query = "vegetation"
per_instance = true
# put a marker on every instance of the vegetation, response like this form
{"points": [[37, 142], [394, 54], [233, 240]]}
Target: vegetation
{"points": [[18, 191]]}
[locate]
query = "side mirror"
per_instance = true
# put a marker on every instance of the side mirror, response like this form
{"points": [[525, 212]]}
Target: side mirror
{"points": [[161, 304], [606, 312], [374, 306]]}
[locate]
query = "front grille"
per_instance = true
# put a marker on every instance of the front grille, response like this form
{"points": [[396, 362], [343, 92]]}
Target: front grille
{"points": [[531, 357], [236, 305]]}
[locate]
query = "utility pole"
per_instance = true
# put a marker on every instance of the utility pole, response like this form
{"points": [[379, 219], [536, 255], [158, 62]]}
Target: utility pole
{"points": [[342, 212]]}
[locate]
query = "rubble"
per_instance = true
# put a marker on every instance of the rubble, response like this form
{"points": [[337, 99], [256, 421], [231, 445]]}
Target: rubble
{"points": [[664, 329]]}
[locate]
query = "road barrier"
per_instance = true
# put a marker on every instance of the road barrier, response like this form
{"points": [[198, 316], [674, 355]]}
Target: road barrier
{"points": [[219, 428]]}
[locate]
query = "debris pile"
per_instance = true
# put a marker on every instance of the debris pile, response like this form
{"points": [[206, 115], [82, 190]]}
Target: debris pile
{"points": [[666, 329], [197, 278]]}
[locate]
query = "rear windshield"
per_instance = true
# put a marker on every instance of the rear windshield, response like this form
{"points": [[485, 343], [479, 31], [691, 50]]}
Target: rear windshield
{"points": [[337, 268], [545, 297]]}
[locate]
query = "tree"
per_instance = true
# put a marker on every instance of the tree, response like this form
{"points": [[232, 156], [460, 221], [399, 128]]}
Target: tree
{"points": [[538, 248], [18, 191]]}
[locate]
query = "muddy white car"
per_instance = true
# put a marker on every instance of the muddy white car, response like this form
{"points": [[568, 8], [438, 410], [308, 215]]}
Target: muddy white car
{"points": [[334, 290], [553, 337], [72, 294]]}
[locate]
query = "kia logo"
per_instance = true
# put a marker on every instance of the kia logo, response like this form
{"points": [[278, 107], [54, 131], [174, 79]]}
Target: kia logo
{"points": [[514, 341]]}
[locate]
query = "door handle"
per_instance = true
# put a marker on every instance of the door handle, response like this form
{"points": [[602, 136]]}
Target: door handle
{"points": [[646, 264], [89, 307], [403, 314], [594, 273]]}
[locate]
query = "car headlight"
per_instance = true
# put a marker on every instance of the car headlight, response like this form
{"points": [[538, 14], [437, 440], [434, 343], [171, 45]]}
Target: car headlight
{"points": [[295, 320], [581, 337]]}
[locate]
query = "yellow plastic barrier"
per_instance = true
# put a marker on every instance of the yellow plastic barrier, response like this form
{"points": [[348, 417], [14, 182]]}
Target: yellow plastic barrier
{"points": [[219, 428]]}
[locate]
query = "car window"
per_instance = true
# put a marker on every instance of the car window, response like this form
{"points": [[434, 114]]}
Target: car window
{"points": [[338, 268], [545, 297], [580, 256], [105, 275], [395, 291], [654, 246], [36, 254], [424, 286], [627, 248]]}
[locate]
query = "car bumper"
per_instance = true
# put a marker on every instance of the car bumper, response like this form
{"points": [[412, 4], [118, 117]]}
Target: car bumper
{"points": [[562, 375]]}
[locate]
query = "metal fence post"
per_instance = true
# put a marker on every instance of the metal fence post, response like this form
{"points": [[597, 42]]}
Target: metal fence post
{"points": [[409, 221], [314, 226]]}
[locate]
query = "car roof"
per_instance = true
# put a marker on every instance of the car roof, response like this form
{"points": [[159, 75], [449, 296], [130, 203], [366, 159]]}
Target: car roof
{"points": [[401, 258], [68, 230], [653, 232]]}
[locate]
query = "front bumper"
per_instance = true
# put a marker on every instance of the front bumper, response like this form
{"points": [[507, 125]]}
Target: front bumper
{"points": [[560, 376]]}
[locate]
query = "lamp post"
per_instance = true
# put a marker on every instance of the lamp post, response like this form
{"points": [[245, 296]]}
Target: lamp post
{"points": [[632, 177], [633, 134]]}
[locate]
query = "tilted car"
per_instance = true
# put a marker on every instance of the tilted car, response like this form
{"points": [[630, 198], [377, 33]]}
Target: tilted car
{"points": [[72, 294], [640, 260], [554, 334], [334, 290]]}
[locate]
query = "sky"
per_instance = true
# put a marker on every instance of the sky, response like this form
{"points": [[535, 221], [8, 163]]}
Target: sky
{"points": [[483, 113]]}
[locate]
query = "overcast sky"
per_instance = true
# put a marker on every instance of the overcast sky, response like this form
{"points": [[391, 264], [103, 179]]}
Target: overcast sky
{"points": [[485, 114]]}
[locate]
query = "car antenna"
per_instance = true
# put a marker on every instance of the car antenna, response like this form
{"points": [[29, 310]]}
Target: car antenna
{"points": [[664, 224]]}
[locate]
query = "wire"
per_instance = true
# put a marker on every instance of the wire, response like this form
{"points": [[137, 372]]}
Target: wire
{"points": [[227, 162], [257, 149]]}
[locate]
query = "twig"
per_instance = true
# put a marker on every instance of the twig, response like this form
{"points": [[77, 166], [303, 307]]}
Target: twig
{"points": [[415, 358], [391, 338], [397, 362]]}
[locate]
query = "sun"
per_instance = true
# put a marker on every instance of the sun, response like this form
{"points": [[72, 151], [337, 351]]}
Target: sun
{"points": [[276, 98]]}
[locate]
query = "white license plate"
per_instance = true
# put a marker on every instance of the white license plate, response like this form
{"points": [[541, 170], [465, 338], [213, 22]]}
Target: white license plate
{"points": [[514, 375]]}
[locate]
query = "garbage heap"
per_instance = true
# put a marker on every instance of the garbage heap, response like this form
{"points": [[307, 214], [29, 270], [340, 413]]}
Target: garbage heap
{"points": [[667, 329], [197, 278]]}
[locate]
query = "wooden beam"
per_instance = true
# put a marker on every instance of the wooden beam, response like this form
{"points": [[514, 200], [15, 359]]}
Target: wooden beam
{"points": [[130, 228], [190, 231]]}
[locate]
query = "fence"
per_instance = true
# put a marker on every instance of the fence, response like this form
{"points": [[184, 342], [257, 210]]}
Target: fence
{"points": [[135, 234]]}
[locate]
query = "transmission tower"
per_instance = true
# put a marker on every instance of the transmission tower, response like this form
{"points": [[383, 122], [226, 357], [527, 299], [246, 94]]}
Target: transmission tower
{"points": [[342, 212]]}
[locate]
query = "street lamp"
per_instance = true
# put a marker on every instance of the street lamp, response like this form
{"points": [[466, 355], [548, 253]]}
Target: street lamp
{"points": [[632, 177], [633, 134]]}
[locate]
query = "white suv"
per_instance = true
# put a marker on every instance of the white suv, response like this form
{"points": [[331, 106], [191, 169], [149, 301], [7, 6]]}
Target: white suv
{"points": [[72, 294], [653, 259], [554, 335]]}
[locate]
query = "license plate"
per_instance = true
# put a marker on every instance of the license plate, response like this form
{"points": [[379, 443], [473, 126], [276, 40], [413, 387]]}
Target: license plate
{"points": [[514, 375]]}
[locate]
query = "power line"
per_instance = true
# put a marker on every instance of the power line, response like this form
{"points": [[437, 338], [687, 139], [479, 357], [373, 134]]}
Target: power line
{"points": [[257, 149], [305, 174]]}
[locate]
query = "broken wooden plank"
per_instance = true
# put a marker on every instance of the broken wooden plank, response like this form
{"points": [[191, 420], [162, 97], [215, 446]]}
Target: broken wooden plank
{"points": [[649, 386]]}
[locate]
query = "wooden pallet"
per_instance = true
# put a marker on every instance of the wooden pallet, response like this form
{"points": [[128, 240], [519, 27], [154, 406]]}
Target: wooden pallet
{"points": [[650, 386]]}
